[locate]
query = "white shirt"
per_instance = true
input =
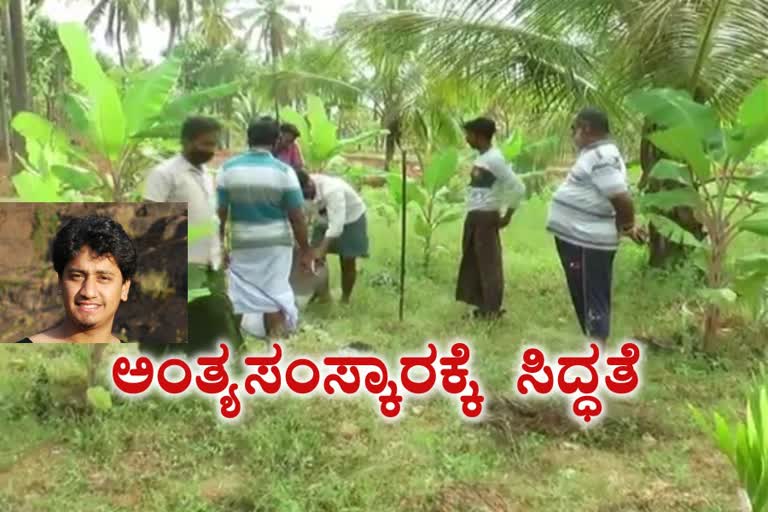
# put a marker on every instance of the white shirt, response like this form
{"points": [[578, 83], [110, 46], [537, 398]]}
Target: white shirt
{"points": [[342, 203], [494, 186], [177, 181], [581, 212]]}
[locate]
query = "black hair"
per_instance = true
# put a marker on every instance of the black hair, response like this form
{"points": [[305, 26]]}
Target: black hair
{"points": [[263, 131], [290, 128], [303, 178], [595, 119], [102, 235], [481, 126], [195, 126]]}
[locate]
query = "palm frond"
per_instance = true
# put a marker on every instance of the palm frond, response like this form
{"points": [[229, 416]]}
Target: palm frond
{"points": [[493, 54], [96, 14]]}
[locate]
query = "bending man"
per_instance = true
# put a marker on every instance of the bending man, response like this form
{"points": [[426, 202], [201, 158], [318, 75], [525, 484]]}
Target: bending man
{"points": [[343, 227]]}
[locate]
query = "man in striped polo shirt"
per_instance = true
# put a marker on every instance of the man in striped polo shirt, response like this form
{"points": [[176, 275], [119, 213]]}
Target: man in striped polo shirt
{"points": [[263, 198], [589, 212]]}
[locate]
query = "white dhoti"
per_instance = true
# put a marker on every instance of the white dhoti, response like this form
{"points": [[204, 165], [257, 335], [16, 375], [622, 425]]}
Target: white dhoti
{"points": [[259, 282]]}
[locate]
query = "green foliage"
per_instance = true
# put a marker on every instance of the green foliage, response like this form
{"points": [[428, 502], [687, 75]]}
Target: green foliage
{"points": [[430, 198], [705, 162], [319, 142], [530, 159], [746, 443], [109, 124], [99, 398], [751, 285]]}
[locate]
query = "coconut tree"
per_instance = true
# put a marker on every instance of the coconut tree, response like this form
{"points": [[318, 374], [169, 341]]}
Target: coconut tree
{"points": [[172, 13], [122, 21], [576, 51], [215, 25], [475, 52], [271, 20]]}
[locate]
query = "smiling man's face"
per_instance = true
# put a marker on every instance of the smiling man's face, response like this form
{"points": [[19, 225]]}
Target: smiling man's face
{"points": [[92, 288]]}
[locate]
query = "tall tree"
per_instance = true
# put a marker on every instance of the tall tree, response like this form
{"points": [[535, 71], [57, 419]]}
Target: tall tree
{"points": [[48, 66], [172, 13], [122, 17], [215, 25], [276, 31]]}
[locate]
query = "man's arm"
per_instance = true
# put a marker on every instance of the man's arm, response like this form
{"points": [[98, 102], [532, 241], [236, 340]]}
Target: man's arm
{"points": [[625, 210], [157, 188], [223, 214], [293, 205], [336, 206], [511, 188], [610, 181], [299, 163], [222, 209], [299, 224]]}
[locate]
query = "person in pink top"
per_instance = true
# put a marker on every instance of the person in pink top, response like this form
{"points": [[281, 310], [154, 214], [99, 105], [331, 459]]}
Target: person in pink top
{"points": [[287, 149]]}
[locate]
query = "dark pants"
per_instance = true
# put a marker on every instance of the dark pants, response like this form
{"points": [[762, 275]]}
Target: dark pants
{"points": [[210, 319], [589, 274], [481, 272]]}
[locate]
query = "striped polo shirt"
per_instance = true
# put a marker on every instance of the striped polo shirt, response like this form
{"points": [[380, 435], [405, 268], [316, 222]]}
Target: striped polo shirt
{"points": [[581, 212], [259, 190]]}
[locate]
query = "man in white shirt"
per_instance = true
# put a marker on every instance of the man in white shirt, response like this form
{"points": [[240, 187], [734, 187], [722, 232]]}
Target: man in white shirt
{"points": [[343, 227], [184, 178], [589, 213], [493, 194]]}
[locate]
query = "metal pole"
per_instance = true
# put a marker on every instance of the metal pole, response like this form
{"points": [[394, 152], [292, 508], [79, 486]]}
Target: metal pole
{"points": [[403, 225]]}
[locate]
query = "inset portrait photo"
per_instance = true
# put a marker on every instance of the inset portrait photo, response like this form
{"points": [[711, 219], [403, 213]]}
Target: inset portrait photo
{"points": [[93, 272]]}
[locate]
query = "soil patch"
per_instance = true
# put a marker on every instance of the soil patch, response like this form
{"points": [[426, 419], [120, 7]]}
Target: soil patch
{"points": [[658, 495], [511, 418], [462, 497], [30, 473]]}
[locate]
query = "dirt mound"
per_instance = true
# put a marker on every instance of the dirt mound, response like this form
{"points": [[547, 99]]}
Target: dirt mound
{"points": [[156, 310], [659, 495], [461, 497], [624, 423]]}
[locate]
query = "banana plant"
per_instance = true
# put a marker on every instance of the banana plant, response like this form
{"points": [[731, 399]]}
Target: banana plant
{"points": [[430, 195], [705, 158], [746, 443], [319, 142], [529, 159], [100, 153]]}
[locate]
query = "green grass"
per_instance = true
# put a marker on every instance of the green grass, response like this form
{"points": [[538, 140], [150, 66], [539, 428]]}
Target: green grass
{"points": [[318, 454]]}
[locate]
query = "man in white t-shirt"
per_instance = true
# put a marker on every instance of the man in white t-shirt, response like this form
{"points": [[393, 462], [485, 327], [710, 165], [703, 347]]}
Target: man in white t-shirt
{"points": [[184, 178], [342, 228], [589, 213], [493, 194]]}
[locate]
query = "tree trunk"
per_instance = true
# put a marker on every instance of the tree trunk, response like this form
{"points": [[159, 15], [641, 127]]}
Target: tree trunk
{"points": [[18, 74], [664, 252], [716, 280], [391, 142], [273, 56], [119, 38], [171, 40]]}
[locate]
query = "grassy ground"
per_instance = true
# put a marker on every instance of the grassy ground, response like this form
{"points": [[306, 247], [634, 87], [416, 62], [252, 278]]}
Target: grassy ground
{"points": [[337, 455]]}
